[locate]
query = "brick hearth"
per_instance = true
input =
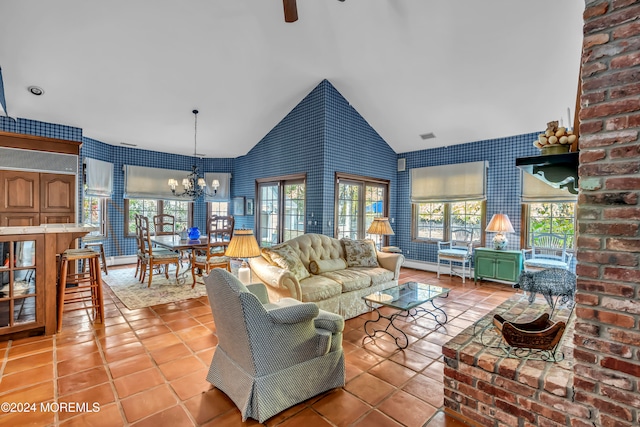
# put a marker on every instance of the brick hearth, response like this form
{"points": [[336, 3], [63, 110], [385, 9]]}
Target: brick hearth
{"points": [[489, 388]]}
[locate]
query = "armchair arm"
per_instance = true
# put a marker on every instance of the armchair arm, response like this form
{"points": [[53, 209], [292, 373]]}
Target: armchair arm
{"points": [[392, 262], [331, 322], [297, 313], [259, 290], [524, 253], [276, 277], [444, 245]]}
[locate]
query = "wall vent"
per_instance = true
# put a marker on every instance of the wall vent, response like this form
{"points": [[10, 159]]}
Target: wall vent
{"points": [[38, 161], [402, 164]]}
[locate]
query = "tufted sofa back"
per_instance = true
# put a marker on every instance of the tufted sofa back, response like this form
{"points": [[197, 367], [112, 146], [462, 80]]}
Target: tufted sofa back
{"points": [[313, 246]]}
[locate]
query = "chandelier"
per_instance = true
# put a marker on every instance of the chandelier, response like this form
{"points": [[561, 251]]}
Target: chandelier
{"points": [[194, 186]]}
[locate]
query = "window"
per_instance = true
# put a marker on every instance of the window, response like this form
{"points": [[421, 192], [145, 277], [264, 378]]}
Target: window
{"points": [[552, 217], [94, 212], [216, 208], [282, 207], [436, 221], [150, 207], [358, 201]]}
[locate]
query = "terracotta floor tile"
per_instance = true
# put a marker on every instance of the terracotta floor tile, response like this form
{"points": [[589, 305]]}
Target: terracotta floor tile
{"points": [[341, 407], [192, 384], [209, 405], [180, 367], [67, 338], [122, 352], [377, 419], [369, 388], [396, 407], [138, 381], [441, 419], [174, 316], [427, 348], [41, 392], [31, 348], [28, 362], [130, 365], [231, 418], [174, 417], [35, 418], [26, 378], [206, 356], [426, 389], [166, 354], [434, 371], [392, 373], [79, 363], [180, 324], [152, 331], [161, 341], [148, 402], [203, 342], [305, 418], [81, 380], [117, 340], [70, 351], [108, 416], [94, 398], [363, 359], [412, 360]]}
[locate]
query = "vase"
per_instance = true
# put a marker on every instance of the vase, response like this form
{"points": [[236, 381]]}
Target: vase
{"points": [[194, 233]]}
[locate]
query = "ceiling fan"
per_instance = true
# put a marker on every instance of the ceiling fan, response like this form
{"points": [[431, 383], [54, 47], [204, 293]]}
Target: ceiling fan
{"points": [[291, 10]]}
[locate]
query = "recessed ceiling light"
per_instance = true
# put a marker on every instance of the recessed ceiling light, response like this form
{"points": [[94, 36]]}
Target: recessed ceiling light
{"points": [[427, 135], [37, 91]]}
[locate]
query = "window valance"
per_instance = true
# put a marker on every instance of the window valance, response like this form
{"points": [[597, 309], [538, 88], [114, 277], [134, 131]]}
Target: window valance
{"points": [[449, 183], [142, 182], [537, 191], [98, 178]]}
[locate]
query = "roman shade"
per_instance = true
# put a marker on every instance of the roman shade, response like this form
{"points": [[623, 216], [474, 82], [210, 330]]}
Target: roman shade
{"points": [[223, 192], [142, 182], [98, 178], [449, 183], [537, 191]]}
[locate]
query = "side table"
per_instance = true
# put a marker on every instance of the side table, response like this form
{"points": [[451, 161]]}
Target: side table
{"points": [[492, 264]]}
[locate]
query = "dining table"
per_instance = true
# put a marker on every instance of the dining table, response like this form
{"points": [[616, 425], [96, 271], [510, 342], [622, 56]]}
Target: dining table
{"points": [[174, 242]]}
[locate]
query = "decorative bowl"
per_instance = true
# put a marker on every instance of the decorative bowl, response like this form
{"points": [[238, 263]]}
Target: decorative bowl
{"points": [[555, 149]]}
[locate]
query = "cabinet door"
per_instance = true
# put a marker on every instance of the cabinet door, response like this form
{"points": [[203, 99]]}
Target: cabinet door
{"points": [[19, 219], [57, 193], [506, 269], [485, 266], [56, 218], [20, 191]]}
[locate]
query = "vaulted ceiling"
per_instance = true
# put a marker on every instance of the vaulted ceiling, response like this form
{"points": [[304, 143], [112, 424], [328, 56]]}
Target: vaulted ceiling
{"points": [[132, 71]]}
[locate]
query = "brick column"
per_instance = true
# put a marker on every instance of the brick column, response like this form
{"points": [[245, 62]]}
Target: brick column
{"points": [[607, 334]]}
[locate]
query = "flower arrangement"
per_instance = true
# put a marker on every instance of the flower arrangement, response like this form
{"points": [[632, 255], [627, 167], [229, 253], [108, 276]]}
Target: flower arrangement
{"points": [[555, 136]]}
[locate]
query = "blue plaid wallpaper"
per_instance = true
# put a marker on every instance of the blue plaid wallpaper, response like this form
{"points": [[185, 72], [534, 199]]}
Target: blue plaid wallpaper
{"points": [[322, 135], [503, 185]]}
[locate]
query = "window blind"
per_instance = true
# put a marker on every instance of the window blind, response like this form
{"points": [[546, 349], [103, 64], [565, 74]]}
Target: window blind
{"points": [[98, 178], [449, 183], [142, 182], [534, 190], [224, 191]]}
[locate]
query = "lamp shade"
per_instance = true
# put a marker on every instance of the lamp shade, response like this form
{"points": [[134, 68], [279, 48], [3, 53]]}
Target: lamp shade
{"points": [[380, 225], [243, 245], [500, 223]]}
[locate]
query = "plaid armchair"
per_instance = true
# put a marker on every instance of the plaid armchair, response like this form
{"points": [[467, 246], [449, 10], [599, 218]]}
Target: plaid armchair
{"points": [[271, 356]]}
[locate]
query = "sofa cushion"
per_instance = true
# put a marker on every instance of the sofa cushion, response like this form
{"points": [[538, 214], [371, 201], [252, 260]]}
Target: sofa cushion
{"points": [[350, 279], [285, 257], [319, 288], [319, 266], [360, 253], [378, 275]]}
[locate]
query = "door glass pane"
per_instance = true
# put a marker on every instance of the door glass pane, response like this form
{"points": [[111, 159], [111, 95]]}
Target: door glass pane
{"points": [[374, 207], [349, 195], [268, 232], [294, 199], [24, 310]]}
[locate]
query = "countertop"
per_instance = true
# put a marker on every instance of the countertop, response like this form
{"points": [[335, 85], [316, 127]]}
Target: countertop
{"points": [[49, 228]]}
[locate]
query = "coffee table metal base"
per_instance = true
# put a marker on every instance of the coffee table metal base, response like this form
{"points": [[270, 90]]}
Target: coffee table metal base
{"points": [[436, 313]]}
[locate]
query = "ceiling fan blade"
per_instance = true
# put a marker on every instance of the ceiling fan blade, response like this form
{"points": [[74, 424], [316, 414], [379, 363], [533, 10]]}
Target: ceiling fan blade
{"points": [[290, 10]]}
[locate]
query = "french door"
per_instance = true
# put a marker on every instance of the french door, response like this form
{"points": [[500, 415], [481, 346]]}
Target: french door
{"points": [[281, 205]]}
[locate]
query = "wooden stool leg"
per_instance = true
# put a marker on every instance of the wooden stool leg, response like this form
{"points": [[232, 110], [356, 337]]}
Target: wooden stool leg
{"points": [[62, 284]]}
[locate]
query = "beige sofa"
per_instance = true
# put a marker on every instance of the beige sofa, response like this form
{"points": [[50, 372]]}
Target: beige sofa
{"points": [[335, 274]]}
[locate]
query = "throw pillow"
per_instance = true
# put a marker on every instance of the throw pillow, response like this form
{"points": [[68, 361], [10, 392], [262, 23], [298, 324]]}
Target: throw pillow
{"points": [[285, 257], [319, 266], [360, 253]]}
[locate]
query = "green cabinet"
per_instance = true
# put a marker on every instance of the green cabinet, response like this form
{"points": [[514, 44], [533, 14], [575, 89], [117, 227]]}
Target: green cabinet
{"points": [[491, 264]]}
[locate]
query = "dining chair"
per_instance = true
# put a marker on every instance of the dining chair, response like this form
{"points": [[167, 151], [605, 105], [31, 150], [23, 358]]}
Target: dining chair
{"points": [[548, 250], [164, 224], [218, 238], [457, 250], [155, 257]]}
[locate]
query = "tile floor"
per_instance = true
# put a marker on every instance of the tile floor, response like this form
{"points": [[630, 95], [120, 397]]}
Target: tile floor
{"points": [[147, 367]]}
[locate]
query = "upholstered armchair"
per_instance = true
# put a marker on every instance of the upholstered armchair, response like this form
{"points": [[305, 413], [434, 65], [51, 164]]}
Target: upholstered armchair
{"points": [[271, 356]]}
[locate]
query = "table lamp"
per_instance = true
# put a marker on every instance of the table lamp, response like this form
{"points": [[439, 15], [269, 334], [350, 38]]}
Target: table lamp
{"points": [[500, 224], [243, 245], [381, 226]]}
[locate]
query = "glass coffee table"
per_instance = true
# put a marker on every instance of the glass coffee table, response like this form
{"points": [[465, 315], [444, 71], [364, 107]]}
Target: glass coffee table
{"points": [[407, 298]]}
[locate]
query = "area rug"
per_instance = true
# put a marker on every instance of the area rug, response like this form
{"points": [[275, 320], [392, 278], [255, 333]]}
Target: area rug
{"points": [[134, 294]]}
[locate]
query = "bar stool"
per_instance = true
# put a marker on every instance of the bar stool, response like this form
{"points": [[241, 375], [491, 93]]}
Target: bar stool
{"points": [[99, 247], [80, 291]]}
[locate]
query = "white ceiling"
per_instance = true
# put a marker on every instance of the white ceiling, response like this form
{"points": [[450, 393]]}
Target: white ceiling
{"points": [[132, 71]]}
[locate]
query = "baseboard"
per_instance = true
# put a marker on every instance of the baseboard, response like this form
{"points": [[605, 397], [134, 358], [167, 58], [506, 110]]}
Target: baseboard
{"points": [[122, 260], [430, 266]]}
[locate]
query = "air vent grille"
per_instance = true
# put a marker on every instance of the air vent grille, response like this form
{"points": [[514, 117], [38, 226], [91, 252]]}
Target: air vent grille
{"points": [[38, 161]]}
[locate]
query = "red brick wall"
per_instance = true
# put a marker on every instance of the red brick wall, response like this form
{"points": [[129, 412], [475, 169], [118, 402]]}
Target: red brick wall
{"points": [[607, 329]]}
